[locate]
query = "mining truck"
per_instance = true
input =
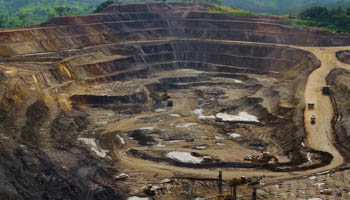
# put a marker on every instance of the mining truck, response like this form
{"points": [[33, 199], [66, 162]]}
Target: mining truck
{"points": [[313, 119], [170, 103], [326, 90]]}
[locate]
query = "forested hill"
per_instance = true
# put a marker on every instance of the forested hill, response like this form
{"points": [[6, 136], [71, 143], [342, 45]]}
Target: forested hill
{"points": [[17, 13], [26, 12], [275, 6]]}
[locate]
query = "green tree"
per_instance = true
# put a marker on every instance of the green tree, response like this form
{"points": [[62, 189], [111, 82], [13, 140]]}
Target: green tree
{"points": [[63, 11], [2, 22], [22, 18], [12, 23], [316, 12], [103, 6], [337, 11], [50, 15], [337, 19]]}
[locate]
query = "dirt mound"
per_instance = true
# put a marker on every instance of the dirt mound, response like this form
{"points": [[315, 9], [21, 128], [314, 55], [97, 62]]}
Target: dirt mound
{"points": [[344, 56]]}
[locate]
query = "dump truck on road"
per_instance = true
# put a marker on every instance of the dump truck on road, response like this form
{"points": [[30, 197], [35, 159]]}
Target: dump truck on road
{"points": [[313, 119]]}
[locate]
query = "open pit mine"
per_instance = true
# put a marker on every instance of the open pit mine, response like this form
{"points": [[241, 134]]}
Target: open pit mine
{"points": [[151, 101]]}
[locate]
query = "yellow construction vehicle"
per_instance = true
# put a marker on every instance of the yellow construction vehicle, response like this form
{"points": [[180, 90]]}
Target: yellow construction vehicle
{"points": [[264, 158], [238, 181], [234, 183], [253, 182], [150, 190]]}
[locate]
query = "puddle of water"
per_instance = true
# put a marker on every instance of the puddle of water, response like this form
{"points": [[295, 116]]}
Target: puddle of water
{"points": [[199, 113], [159, 145], [233, 135], [185, 157], [186, 125], [242, 116], [160, 110], [147, 128], [138, 198]]}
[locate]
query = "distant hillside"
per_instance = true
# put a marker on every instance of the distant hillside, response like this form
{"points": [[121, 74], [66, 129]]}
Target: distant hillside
{"points": [[26, 12], [275, 6], [342, 4], [17, 13]]}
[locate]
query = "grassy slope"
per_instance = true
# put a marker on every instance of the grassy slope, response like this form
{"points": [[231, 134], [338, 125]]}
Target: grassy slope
{"points": [[232, 11]]}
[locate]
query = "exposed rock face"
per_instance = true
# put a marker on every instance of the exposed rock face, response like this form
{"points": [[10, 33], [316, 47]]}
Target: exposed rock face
{"points": [[339, 80], [344, 56], [27, 173], [102, 76]]}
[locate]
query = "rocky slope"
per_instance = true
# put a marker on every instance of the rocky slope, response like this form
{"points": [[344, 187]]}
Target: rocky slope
{"points": [[338, 79]]}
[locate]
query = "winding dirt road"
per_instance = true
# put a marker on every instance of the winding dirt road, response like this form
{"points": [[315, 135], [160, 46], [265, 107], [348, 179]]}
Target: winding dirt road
{"points": [[320, 135]]}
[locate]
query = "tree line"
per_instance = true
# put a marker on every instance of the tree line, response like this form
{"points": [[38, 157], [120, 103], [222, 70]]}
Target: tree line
{"points": [[18, 13], [335, 19]]}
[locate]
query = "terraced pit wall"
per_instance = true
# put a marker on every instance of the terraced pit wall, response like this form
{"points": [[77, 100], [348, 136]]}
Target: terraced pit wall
{"points": [[89, 60], [288, 67], [143, 22], [343, 56], [338, 79]]}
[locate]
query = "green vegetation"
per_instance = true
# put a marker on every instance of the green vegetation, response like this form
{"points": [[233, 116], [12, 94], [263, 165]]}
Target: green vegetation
{"points": [[334, 15], [63, 11], [274, 6], [335, 20], [103, 5], [205, 1], [232, 11], [17, 13], [220, 8]]}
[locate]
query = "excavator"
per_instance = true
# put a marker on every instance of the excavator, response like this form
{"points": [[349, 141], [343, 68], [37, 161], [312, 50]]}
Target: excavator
{"points": [[150, 190], [243, 180], [264, 158]]}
